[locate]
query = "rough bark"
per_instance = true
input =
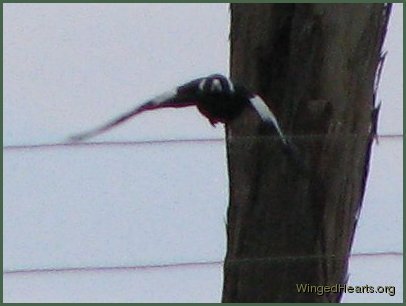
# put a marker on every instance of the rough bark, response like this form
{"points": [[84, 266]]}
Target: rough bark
{"points": [[289, 224]]}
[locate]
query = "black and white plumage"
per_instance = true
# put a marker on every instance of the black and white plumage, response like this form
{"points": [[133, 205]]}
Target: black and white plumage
{"points": [[215, 96]]}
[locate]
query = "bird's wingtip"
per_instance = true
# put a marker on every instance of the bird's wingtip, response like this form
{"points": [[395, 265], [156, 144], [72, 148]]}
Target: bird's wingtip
{"points": [[76, 138]]}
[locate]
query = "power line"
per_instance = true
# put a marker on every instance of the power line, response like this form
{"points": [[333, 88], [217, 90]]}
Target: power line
{"points": [[109, 143], [180, 265], [160, 142], [117, 268]]}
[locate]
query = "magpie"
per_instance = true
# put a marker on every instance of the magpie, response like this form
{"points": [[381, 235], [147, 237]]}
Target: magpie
{"points": [[215, 96]]}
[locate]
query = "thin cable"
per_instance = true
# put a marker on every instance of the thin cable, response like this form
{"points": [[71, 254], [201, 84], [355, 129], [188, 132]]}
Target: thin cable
{"points": [[161, 142], [91, 269], [108, 143], [187, 264]]}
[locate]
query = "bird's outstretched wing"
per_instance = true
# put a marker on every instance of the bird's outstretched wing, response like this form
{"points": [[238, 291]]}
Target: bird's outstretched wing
{"points": [[289, 148], [179, 97], [266, 115]]}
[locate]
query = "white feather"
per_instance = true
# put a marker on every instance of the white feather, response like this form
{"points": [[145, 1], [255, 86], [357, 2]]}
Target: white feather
{"points": [[216, 85], [201, 84], [266, 114], [165, 96], [230, 85]]}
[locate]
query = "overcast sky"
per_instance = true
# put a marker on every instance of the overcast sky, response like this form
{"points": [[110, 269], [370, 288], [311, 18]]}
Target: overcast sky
{"points": [[68, 67]]}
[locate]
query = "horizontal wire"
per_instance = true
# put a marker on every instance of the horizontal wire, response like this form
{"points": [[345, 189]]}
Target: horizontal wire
{"points": [[109, 143], [157, 142], [164, 141], [187, 264], [95, 268]]}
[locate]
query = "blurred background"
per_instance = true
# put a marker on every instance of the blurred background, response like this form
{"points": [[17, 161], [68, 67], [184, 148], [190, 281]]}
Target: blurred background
{"points": [[139, 214]]}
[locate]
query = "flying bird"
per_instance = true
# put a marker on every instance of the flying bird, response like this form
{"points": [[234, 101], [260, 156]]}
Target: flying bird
{"points": [[215, 96]]}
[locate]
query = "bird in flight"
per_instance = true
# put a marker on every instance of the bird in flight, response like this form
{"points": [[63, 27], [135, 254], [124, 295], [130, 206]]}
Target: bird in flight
{"points": [[215, 96]]}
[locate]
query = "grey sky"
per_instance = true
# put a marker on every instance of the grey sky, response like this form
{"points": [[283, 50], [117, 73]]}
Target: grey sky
{"points": [[68, 67]]}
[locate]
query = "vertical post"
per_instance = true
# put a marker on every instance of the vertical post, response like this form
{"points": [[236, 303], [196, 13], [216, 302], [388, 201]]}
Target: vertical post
{"points": [[315, 64]]}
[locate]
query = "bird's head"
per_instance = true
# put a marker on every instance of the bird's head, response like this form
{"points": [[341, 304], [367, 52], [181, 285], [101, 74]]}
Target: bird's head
{"points": [[216, 84]]}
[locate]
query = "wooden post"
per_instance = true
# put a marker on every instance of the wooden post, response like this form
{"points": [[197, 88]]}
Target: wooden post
{"points": [[291, 225]]}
